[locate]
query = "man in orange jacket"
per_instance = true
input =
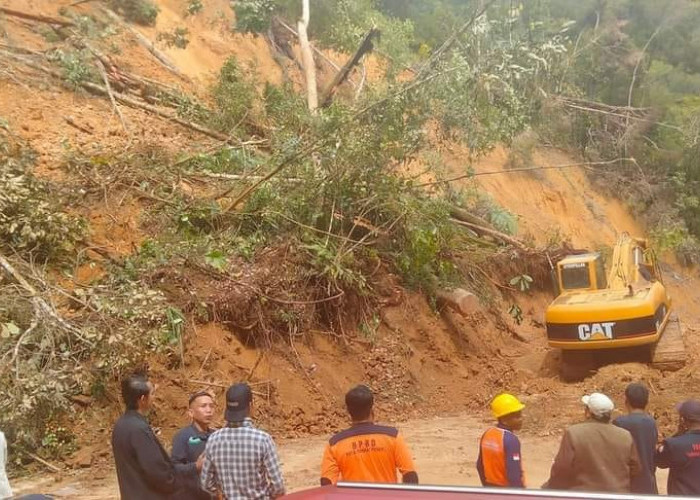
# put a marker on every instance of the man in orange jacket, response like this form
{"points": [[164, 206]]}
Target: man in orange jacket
{"points": [[500, 463], [366, 451]]}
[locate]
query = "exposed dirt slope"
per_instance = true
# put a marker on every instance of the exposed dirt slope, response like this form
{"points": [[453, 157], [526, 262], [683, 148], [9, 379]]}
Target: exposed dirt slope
{"points": [[420, 362]]}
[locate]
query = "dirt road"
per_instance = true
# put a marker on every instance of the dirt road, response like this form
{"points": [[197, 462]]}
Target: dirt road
{"points": [[445, 450]]}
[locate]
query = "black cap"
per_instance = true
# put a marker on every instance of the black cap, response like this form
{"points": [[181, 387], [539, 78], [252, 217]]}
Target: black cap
{"points": [[238, 399], [690, 410]]}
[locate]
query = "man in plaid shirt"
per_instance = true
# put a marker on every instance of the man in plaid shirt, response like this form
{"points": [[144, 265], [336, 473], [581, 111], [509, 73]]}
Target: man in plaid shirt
{"points": [[241, 461]]}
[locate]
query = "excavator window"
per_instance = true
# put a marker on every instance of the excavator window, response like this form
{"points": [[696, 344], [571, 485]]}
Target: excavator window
{"points": [[600, 278], [575, 276]]}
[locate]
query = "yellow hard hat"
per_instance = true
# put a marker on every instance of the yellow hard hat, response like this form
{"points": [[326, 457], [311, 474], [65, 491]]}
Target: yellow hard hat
{"points": [[505, 404]]}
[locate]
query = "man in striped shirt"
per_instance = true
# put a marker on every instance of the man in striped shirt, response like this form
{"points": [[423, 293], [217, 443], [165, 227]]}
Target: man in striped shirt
{"points": [[241, 461]]}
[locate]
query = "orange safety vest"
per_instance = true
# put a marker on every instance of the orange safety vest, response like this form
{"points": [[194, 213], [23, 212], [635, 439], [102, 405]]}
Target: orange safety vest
{"points": [[495, 459]]}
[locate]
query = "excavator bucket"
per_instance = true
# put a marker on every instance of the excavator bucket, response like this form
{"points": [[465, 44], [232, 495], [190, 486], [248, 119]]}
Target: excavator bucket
{"points": [[669, 353]]}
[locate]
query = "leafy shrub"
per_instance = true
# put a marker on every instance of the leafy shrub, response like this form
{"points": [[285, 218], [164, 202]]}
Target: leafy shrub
{"points": [[75, 65], [233, 94], [194, 7], [521, 149], [142, 12], [30, 218], [253, 16], [176, 38]]}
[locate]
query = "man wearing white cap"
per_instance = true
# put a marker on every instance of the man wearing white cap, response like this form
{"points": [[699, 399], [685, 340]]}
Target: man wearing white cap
{"points": [[595, 455]]}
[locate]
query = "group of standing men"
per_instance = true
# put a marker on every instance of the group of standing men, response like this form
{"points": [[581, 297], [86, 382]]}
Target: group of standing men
{"points": [[237, 461], [240, 461], [600, 454]]}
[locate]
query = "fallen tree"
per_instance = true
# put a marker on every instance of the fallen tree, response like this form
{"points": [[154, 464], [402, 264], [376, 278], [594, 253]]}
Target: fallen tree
{"points": [[36, 17], [103, 91]]}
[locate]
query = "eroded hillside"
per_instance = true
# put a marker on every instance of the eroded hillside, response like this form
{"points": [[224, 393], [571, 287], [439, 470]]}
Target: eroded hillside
{"points": [[422, 360]]}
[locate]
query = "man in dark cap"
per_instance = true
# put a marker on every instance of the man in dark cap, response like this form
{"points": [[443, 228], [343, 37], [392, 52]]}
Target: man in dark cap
{"points": [[240, 460], [681, 453]]}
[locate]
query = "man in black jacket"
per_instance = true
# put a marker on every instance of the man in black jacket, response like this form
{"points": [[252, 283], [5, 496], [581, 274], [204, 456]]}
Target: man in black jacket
{"points": [[190, 441], [144, 470], [681, 453]]}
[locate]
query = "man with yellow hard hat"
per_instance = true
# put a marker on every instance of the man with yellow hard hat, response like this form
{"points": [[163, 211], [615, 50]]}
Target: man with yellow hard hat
{"points": [[499, 462]]}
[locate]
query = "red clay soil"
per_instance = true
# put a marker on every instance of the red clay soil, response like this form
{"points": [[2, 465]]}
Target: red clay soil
{"points": [[420, 362]]}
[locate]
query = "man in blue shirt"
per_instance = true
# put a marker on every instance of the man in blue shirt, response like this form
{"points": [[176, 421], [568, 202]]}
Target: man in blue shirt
{"points": [[642, 426], [681, 453], [189, 442]]}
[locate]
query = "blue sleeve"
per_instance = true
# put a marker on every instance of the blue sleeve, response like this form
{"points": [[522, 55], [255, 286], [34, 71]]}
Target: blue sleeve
{"points": [[480, 467], [514, 469], [179, 453]]}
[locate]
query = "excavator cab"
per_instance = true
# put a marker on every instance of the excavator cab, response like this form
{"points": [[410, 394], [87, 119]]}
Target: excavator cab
{"points": [[581, 272]]}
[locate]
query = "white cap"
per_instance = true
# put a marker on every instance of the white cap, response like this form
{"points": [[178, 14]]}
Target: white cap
{"points": [[599, 404]]}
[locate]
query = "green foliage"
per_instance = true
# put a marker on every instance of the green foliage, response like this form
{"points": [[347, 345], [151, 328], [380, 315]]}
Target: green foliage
{"points": [[253, 16], [194, 7], [31, 221], [176, 38], [521, 150], [352, 19], [75, 66], [522, 282], [176, 326], [142, 12], [57, 441], [609, 39], [335, 266], [516, 313], [234, 95], [424, 260], [216, 259]]}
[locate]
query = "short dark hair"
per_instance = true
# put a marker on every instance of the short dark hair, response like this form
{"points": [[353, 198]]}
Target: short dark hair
{"points": [[133, 388], [637, 395], [359, 401], [195, 396]]}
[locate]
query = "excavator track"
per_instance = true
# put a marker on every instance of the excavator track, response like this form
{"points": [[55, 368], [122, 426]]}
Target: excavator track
{"points": [[669, 353]]}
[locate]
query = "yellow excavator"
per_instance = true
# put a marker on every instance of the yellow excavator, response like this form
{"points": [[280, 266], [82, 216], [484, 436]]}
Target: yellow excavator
{"points": [[626, 310]]}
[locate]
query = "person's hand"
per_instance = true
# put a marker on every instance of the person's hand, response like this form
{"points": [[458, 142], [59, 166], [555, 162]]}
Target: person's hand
{"points": [[200, 463]]}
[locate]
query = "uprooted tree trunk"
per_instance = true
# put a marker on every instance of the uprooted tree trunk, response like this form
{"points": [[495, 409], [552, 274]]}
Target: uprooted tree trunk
{"points": [[502, 237], [342, 75], [147, 44], [307, 57], [42, 309], [36, 17], [126, 100], [465, 216], [459, 300]]}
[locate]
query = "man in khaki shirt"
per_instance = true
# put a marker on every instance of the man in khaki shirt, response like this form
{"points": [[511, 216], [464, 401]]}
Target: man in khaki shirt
{"points": [[595, 455]]}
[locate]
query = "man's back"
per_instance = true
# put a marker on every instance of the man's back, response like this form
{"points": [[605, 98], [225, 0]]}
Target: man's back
{"points": [[595, 456], [366, 452], [642, 427], [499, 463], [243, 461], [144, 469], [682, 455]]}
